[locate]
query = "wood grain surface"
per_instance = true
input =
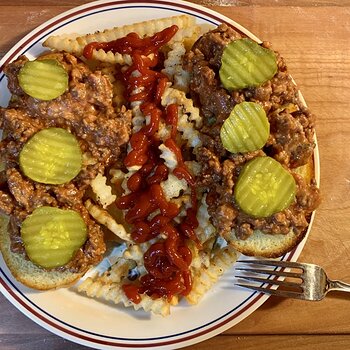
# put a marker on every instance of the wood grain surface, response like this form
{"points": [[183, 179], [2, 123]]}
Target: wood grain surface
{"points": [[314, 37]]}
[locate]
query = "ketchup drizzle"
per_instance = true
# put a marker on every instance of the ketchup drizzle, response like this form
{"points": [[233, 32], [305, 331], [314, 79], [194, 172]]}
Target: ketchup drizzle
{"points": [[167, 262]]}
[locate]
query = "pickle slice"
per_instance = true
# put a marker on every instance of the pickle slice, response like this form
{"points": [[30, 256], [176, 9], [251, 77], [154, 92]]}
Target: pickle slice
{"points": [[43, 79], [245, 63], [246, 129], [51, 156], [264, 187], [52, 236]]}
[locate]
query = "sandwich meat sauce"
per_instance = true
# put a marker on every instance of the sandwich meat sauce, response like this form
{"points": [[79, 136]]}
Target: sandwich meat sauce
{"points": [[291, 139], [86, 111]]}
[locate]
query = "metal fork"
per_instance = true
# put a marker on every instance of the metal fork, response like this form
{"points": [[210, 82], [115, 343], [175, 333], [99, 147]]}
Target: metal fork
{"points": [[312, 282]]}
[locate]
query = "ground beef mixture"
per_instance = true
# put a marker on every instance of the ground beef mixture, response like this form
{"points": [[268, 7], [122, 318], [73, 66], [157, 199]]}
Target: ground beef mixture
{"points": [[86, 110], [290, 142]]}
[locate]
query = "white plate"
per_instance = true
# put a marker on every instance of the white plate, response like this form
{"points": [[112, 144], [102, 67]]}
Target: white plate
{"points": [[93, 323]]}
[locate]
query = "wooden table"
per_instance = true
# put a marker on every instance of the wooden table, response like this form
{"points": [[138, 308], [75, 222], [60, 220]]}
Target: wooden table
{"points": [[314, 37]]}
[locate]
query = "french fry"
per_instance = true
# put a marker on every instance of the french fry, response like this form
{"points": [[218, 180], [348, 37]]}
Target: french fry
{"points": [[188, 115], [75, 45], [102, 191], [108, 287], [205, 278], [104, 218]]}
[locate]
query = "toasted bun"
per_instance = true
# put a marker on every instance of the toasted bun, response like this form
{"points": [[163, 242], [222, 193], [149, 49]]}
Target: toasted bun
{"points": [[26, 272], [266, 245], [272, 245]]}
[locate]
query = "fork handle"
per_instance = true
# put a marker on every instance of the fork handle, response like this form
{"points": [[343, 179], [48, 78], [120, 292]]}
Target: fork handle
{"points": [[339, 286]]}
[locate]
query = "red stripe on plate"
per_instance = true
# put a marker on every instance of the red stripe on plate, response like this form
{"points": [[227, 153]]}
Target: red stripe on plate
{"points": [[135, 345], [126, 345]]}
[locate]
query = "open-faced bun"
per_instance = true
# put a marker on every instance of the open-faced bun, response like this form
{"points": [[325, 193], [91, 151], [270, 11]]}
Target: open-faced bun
{"points": [[28, 273], [265, 245]]}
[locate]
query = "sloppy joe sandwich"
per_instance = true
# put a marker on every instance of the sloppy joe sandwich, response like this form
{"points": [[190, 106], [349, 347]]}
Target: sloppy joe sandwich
{"points": [[251, 110], [52, 149]]}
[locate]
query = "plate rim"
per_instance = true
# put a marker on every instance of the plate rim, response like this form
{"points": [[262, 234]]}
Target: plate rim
{"points": [[32, 39]]}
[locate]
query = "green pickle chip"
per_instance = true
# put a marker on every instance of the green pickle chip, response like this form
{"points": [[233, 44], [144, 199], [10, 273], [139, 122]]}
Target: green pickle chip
{"points": [[51, 156], [246, 129], [44, 79], [52, 236], [264, 187], [245, 63]]}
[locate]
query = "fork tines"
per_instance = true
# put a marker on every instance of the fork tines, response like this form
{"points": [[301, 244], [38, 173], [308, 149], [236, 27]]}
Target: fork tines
{"points": [[273, 273]]}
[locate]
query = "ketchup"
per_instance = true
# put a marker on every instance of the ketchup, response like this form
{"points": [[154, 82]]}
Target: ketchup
{"points": [[168, 261], [132, 42]]}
